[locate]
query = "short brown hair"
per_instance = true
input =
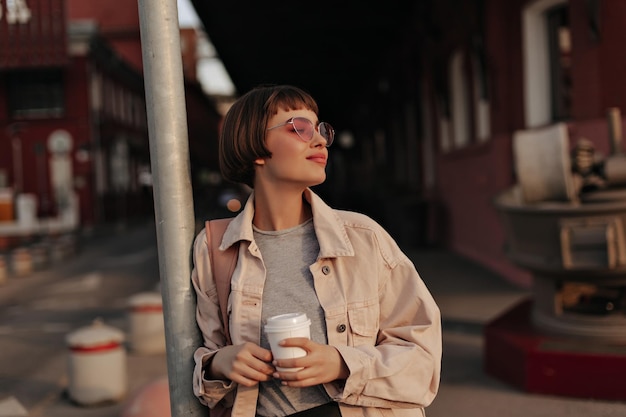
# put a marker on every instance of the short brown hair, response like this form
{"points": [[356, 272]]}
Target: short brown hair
{"points": [[242, 139]]}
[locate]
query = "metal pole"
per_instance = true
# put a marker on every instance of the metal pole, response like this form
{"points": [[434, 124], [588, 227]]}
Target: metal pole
{"points": [[175, 226]]}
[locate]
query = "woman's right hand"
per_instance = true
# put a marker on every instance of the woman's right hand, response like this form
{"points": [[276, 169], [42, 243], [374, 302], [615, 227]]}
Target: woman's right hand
{"points": [[245, 364]]}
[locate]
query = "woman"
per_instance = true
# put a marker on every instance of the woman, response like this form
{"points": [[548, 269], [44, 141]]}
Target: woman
{"points": [[375, 346]]}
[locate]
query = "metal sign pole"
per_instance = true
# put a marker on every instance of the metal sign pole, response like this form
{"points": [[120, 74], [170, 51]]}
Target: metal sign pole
{"points": [[173, 201]]}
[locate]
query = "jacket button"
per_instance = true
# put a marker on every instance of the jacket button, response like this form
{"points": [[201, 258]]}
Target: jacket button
{"points": [[341, 328], [325, 270]]}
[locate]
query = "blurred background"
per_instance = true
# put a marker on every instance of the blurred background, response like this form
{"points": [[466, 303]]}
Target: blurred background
{"points": [[484, 135], [426, 97]]}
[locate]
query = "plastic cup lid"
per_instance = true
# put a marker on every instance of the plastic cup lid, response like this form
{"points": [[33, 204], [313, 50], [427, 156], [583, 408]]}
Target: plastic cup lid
{"points": [[287, 320]]}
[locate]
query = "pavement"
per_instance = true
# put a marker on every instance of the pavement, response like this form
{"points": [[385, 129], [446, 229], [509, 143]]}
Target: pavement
{"points": [[469, 297]]}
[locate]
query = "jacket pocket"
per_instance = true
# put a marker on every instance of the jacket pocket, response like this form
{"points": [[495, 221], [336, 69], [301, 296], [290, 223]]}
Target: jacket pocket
{"points": [[363, 319]]}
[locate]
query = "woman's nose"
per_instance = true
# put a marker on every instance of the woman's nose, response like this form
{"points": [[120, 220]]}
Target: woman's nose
{"points": [[318, 139]]}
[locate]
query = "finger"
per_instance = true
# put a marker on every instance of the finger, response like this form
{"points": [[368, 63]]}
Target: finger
{"points": [[247, 367], [254, 356], [247, 375], [301, 342], [303, 377], [259, 368], [290, 363], [292, 379], [262, 354], [302, 372], [259, 365], [285, 375]]}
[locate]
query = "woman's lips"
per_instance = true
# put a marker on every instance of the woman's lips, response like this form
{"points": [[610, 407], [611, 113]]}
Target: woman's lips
{"points": [[319, 158]]}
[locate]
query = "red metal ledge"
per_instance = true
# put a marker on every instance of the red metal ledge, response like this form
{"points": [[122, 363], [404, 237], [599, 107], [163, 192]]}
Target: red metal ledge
{"points": [[517, 353]]}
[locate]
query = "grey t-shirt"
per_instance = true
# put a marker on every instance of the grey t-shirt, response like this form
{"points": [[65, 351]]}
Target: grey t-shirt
{"points": [[287, 255]]}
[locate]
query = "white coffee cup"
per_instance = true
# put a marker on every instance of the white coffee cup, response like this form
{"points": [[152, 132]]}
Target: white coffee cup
{"points": [[282, 327]]}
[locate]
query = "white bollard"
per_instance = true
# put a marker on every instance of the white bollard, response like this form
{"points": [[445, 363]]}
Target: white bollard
{"points": [[26, 207], [96, 365], [146, 328]]}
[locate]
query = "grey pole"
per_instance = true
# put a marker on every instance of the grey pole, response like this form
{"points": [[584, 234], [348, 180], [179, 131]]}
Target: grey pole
{"points": [[173, 201]]}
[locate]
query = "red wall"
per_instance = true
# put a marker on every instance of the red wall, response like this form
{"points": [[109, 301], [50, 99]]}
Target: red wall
{"points": [[118, 37], [586, 78], [5, 150], [118, 22], [34, 136], [79, 120], [611, 54], [469, 179], [38, 42]]}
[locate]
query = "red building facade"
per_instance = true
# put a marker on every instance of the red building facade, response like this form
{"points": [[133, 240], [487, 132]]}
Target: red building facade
{"points": [[73, 112], [468, 76]]}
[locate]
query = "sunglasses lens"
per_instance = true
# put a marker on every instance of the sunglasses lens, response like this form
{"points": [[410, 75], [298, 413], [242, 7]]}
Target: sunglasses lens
{"points": [[327, 132], [303, 127]]}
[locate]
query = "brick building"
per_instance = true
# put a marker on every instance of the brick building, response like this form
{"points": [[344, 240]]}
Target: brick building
{"points": [[72, 110]]}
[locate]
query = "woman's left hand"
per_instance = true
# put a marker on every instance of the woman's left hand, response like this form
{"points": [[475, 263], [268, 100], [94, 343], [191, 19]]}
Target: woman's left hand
{"points": [[322, 364]]}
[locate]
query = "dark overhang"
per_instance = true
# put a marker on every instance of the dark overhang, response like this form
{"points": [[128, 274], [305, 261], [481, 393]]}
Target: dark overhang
{"points": [[333, 49]]}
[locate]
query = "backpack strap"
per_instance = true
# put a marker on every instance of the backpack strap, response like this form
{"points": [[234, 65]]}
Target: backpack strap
{"points": [[222, 264]]}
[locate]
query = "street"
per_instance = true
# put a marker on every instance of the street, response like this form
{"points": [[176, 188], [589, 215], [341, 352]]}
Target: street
{"points": [[38, 311]]}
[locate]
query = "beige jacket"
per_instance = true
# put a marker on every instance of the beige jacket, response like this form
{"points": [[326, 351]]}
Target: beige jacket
{"points": [[379, 315]]}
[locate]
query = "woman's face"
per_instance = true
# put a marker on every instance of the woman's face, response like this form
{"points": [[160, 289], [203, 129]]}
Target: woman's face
{"points": [[294, 162]]}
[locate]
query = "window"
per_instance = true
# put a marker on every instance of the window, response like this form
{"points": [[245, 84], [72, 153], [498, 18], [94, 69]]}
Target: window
{"points": [[37, 93], [546, 46], [559, 46], [461, 125], [469, 120], [482, 112]]}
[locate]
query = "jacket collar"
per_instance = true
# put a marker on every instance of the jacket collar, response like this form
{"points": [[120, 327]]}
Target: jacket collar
{"points": [[329, 229]]}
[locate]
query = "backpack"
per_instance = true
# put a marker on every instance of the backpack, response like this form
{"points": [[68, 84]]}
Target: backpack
{"points": [[222, 264]]}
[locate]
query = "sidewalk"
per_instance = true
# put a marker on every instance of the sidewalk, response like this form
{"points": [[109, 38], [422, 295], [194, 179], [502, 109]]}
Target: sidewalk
{"points": [[42, 392], [467, 293], [469, 296]]}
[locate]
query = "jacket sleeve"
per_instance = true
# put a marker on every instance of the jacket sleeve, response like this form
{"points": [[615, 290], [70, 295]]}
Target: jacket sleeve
{"points": [[402, 369], [209, 392]]}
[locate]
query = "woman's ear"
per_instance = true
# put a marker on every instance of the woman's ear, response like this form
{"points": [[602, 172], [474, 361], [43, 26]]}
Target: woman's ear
{"points": [[259, 161]]}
